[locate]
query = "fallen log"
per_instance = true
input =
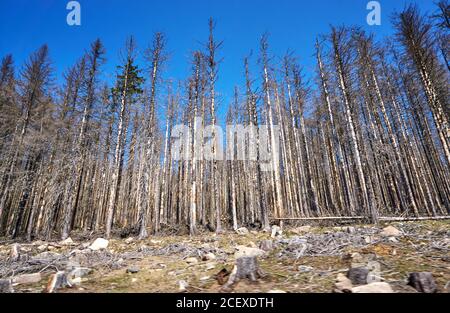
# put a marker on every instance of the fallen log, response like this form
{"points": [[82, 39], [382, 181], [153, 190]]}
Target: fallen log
{"points": [[383, 219]]}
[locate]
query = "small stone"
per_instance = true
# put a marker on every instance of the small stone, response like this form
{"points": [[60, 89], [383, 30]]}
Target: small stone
{"points": [[390, 231], [133, 280], [343, 284], [266, 245], [206, 245], [276, 291], [79, 272], [6, 286], [355, 257], [358, 275], [276, 231], [205, 278], [191, 261], [209, 257], [242, 231], [423, 282], [155, 242], [182, 285], [99, 244], [162, 265], [67, 242], [368, 239], [393, 240], [26, 279], [305, 269], [129, 240], [210, 266], [42, 248], [85, 245], [76, 281], [378, 287], [133, 270]]}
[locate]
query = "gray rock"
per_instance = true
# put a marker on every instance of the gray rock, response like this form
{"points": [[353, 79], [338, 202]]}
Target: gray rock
{"points": [[129, 240], [368, 239], [378, 287], [191, 261], [182, 285], [210, 266], [42, 247], [393, 240], [99, 244], [390, 231], [305, 269], [209, 257], [67, 242], [356, 258], [358, 275], [423, 282], [133, 270], [80, 272], [242, 231]]}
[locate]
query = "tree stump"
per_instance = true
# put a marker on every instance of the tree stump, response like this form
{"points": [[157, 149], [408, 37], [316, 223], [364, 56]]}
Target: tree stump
{"points": [[14, 254], [6, 286], [358, 275], [245, 268], [422, 282], [56, 281]]}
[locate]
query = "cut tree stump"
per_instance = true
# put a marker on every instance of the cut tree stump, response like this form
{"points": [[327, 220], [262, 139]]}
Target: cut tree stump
{"points": [[57, 281], [6, 286], [245, 268], [422, 282], [358, 275], [14, 254]]}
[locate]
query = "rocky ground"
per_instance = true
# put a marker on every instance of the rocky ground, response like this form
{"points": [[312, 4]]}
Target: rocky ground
{"points": [[299, 259]]}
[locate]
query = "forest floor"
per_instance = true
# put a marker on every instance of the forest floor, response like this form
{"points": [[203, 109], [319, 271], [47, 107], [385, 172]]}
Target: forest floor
{"points": [[301, 259]]}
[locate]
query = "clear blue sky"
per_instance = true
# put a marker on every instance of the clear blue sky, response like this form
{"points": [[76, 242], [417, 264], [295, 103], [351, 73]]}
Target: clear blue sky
{"points": [[292, 24]]}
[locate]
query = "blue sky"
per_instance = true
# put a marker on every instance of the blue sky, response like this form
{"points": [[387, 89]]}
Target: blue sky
{"points": [[292, 24]]}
